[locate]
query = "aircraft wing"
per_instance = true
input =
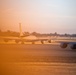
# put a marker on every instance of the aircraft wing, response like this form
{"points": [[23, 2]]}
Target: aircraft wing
{"points": [[66, 43]]}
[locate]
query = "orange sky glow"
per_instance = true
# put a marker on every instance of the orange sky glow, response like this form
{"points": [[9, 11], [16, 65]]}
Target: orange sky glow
{"points": [[42, 16]]}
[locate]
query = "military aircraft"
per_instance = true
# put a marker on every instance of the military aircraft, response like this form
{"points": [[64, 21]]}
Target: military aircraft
{"points": [[23, 38]]}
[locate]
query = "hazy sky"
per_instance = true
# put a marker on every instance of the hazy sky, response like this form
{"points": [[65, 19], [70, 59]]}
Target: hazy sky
{"points": [[45, 16]]}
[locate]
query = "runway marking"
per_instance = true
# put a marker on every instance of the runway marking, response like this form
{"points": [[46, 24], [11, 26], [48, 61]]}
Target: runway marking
{"points": [[44, 63]]}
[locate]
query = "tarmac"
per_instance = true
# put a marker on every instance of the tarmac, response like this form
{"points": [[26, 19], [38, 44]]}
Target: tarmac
{"points": [[37, 59]]}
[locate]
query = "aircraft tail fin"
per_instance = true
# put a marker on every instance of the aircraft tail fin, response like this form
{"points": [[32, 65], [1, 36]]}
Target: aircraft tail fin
{"points": [[21, 34]]}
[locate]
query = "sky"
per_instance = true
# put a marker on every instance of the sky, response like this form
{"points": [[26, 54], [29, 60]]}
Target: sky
{"points": [[43, 16]]}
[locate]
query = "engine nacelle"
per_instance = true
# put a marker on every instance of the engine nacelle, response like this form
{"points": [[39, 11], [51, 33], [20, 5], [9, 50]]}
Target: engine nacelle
{"points": [[42, 42], [63, 45], [6, 40], [17, 41], [49, 41], [73, 46]]}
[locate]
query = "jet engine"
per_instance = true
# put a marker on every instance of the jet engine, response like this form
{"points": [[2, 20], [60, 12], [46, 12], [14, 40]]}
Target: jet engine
{"points": [[73, 46], [49, 41], [17, 41], [6, 40], [42, 42], [63, 45]]}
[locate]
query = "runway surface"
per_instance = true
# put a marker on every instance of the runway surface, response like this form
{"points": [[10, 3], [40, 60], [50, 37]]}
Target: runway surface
{"points": [[37, 60]]}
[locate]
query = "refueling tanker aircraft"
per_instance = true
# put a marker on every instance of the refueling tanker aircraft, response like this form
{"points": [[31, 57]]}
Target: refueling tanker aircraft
{"points": [[23, 38], [33, 39]]}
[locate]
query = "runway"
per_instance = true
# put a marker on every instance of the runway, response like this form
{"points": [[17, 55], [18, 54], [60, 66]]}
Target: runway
{"points": [[37, 60]]}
